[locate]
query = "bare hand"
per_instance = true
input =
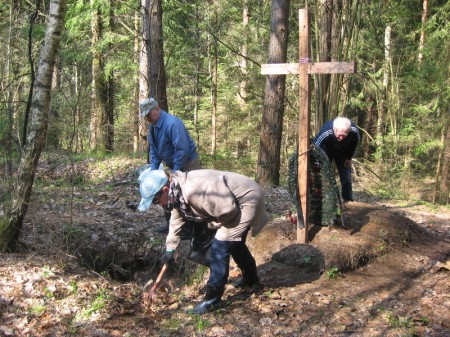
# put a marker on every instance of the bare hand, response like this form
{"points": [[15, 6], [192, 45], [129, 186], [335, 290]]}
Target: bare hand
{"points": [[348, 163]]}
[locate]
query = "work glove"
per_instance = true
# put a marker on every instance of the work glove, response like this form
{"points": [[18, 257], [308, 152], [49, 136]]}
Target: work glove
{"points": [[167, 257]]}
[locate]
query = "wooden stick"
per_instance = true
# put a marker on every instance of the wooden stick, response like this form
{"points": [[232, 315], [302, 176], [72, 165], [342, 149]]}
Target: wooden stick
{"points": [[150, 296], [159, 278]]}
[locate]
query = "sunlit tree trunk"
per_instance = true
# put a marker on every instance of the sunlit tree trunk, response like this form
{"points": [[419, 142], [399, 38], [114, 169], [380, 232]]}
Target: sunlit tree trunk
{"points": [[198, 69], [242, 94], [214, 82], [10, 229], [268, 166], [442, 194], [134, 109], [78, 146], [144, 86], [422, 31], [7, 142], [386, 71]]}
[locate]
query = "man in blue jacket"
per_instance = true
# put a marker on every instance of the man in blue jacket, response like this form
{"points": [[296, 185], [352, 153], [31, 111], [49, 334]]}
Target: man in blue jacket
{"points": [[338, 138], [170, 143]]}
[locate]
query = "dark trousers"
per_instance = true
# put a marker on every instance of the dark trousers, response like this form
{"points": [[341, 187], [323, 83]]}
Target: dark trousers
{"points": [[345, 176], [220, 261]]}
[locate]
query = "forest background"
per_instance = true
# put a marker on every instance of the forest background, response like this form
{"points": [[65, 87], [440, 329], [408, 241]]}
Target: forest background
{"points": [[201, 60]]}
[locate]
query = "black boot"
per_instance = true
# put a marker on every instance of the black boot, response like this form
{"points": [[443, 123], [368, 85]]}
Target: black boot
{"points": [[212, 301], [246, 282], [249, 275]]}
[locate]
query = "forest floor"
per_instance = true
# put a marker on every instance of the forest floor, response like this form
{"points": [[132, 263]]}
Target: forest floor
{"points": [[85, 256]]}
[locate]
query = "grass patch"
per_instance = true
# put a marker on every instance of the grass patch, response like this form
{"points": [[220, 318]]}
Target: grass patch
{"points": [[332, 273], [99, 303], [201, 324]]}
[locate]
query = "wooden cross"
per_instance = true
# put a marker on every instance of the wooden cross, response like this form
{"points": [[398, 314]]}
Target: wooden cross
{"points": [[303, 69]]}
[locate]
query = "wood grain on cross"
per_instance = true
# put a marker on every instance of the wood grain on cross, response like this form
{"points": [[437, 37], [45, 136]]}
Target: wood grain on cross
{"points": [[303, 69]]}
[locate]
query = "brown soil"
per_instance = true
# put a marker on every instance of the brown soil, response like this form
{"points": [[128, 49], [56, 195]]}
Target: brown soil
{"points": [[85, 257]]}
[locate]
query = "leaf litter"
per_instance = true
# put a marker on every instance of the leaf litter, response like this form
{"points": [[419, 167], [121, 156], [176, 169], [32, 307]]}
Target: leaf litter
{"points": [[86, 255]]}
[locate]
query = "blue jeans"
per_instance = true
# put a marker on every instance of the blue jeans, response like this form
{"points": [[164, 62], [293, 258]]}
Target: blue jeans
{"points": [[345, 176], [220, 261]]}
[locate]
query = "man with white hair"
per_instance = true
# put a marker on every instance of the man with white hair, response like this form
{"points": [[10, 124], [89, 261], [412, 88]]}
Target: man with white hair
{"points": [[170, 143], [338, 138]]}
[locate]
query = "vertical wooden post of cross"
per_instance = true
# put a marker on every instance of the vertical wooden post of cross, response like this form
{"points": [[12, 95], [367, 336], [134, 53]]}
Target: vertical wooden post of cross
{"points": [[304, 118], [303, 69]]}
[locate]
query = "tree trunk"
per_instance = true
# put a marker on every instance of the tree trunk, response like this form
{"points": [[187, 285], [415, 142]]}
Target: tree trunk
{"points": [[444, 190], [198, 69], [99, 84], [214, 83], [326, 16], [10, 229], [242, 94], [108, 125], [268, 166], [422, 31], [7, 141], [369, 126], [103, 84], [77, 117], [134, 110], [157, 72], [381, 122], [144, 88]]}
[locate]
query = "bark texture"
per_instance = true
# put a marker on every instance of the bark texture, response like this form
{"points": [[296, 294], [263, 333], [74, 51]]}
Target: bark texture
{"points": [[273, 111]]}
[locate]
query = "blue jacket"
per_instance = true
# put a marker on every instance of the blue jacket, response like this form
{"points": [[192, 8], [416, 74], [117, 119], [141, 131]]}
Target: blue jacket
{"points": [[170, 143], [335, 149]]}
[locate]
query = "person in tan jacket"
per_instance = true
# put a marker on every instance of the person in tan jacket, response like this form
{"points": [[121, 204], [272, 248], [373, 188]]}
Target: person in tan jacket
{"points": [[230, 202]]}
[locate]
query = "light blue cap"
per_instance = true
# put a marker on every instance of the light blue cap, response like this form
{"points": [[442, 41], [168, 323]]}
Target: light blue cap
{"points": [[152, 181]]}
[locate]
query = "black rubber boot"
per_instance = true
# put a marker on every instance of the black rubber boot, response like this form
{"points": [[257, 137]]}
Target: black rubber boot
{"points": [[246, 281], [212, 301]]}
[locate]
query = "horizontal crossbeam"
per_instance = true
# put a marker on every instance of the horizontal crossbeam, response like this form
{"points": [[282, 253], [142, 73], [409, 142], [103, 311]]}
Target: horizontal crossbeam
{"points": [[313, 68]]}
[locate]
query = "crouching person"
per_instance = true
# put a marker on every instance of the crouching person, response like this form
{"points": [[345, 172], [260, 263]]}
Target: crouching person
{"points": [[228, 201]]}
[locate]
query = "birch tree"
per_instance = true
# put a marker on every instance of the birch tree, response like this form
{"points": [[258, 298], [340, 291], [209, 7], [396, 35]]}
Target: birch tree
{"points": [[22, 185]]}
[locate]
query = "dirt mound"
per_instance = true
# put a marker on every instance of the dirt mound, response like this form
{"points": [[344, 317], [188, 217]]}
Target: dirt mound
{"points": [[368, 232]]}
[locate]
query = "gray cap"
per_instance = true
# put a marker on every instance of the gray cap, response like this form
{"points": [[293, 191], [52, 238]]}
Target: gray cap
{"points": [[147, 105]]}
